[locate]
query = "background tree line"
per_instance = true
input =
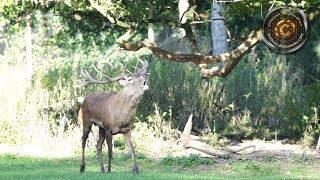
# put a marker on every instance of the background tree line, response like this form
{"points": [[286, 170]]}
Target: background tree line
{"points": [[266, 96]]}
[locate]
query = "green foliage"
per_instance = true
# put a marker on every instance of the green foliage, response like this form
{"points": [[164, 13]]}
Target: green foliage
{"points": [[217, 140], [159, 123], [120, 144], [253, 166], [192, 160], [266, 96], [127, 156], [270, 159], [310, 92], [177, 88], [312, 128], [154, 136], [213, 139], [304, 159], [9, 134], [249, 7], [15, 166]]}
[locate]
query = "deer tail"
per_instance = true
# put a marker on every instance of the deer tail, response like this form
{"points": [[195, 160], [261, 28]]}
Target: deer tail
{"points": [[80, 117]]}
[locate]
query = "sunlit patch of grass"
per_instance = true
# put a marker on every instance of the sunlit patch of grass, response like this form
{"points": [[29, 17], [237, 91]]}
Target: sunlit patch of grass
{"points": [[17, 167], [14, 166], [252, 168]]}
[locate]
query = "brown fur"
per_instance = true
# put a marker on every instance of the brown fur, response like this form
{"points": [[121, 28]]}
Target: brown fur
{"points": [[113, 112]]}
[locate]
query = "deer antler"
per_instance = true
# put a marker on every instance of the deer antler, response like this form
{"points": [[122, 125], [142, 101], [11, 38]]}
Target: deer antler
{"points": [[143, 62], [88, 79]]}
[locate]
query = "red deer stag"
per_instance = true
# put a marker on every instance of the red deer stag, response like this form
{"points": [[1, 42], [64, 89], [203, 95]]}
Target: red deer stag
{"points": [[112, 111]]}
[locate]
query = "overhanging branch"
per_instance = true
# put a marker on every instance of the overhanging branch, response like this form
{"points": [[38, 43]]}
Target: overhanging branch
{"points": [[232, 57], [126, 37], [102, 11]]}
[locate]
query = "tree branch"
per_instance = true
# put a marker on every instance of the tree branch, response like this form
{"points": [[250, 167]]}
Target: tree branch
{"points": [[189, 34], [205, 148], [122, 40], [187, 142], [110, 18], [232, 57], [193, 41]]}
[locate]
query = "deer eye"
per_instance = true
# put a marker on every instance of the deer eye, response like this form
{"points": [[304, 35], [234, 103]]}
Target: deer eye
{"points": [[130, 80]]}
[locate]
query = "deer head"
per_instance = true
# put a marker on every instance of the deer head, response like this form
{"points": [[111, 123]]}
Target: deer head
{"points": [[129, 81], [135, 83]]}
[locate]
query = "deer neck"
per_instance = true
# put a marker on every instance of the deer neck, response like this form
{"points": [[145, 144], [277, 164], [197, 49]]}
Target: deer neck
{"points": [[129, 97]]}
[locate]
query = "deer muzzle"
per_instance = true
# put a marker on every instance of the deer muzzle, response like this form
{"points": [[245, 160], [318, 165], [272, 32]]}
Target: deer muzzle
{"points": [[145, 83]]}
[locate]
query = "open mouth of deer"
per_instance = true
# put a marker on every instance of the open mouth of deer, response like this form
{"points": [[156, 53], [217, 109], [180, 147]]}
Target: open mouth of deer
{"points": [[145, 84]]}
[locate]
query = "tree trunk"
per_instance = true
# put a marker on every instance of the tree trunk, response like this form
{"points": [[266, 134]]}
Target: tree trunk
{"points": [[318, 145]]}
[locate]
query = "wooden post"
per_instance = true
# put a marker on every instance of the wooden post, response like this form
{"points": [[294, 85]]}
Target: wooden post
{"points": [[218, 30], [150, 26], [183, 6], [28, 50]]}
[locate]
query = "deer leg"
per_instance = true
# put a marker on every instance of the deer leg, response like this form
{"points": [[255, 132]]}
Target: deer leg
{"points": [[102, 137], [86, 130], [127, 137], [109, 142]]}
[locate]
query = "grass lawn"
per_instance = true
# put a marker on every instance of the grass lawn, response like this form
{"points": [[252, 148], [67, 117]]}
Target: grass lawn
{"points": [[193, 167]]}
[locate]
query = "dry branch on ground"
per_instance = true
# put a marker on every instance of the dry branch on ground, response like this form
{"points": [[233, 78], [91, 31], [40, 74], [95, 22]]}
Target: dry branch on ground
{"points": [[187, 142]]}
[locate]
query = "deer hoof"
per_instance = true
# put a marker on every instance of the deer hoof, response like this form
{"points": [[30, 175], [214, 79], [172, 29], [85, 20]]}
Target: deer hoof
{"points": [[82, 168], [109, 169], [135, 171]]}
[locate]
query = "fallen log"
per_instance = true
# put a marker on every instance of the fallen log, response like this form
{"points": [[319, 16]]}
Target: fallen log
{"points": [[235, 154]]}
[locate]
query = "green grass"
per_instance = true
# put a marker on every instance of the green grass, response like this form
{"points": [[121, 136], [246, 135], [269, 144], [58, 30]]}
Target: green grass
{"points": [[194, 167]]}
